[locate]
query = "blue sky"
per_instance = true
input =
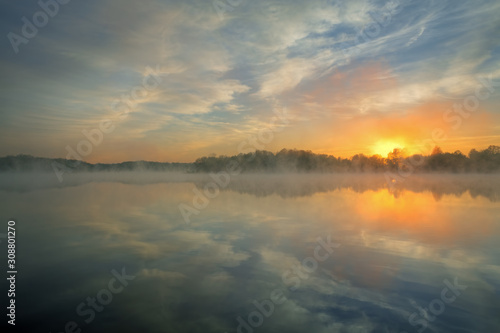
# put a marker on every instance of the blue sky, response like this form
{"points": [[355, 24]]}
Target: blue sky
{"points": [[351, 75]]}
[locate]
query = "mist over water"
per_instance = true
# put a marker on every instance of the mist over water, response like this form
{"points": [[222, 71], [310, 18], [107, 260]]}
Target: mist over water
{"points": [[265, 184], [397, 245]]}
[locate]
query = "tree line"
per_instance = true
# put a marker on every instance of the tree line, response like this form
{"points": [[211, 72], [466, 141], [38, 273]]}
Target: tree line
{"points": [[286, 160], [293, 160]]}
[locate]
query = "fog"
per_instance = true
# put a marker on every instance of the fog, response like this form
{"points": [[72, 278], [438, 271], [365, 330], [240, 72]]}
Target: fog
{"points": [[267, 184]]}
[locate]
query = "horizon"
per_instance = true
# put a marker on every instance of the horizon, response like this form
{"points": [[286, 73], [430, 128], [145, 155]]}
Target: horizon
{"points": [[402, 151]]}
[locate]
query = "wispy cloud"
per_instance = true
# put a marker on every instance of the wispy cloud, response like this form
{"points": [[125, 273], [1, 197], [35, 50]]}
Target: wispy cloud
{"points": [[416, 37]]}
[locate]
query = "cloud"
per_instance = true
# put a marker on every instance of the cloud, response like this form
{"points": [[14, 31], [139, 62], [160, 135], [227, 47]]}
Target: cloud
{"points": [[225, 76], [416, 37]]}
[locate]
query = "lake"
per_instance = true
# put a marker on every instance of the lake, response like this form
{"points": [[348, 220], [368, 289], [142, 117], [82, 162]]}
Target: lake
{"points": [[153, 252]]}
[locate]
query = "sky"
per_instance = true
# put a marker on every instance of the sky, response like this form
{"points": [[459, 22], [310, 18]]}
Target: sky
{"points": [[111, 81]]}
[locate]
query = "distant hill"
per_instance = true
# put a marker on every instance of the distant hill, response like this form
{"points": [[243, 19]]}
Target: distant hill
{"points": [[26, 163]]}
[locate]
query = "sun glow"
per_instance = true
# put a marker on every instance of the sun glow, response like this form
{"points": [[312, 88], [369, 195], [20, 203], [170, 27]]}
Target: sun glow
{"points": [[384, 147]]}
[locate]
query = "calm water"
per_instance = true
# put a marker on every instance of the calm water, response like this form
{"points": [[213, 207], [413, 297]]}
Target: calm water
{"points": [[266, 254]]}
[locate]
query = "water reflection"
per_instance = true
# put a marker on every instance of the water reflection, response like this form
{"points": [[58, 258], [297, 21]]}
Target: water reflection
{"points": [[284, 185], [397, 246], [309, 184]]}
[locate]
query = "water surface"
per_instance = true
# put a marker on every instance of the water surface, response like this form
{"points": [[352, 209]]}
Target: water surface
{"points": [[250, 259]]}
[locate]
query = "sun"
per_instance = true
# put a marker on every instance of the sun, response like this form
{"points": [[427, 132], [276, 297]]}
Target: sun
{"points": [[384, 147]]}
